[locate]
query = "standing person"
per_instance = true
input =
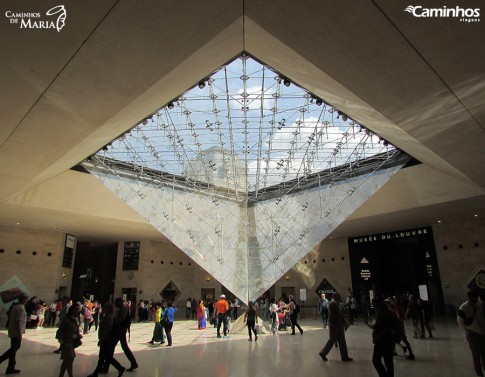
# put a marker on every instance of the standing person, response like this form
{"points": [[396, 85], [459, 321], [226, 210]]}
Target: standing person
{"points": [[351, 306], [236, 307], [471, 318], [30, 308], [385, 328], [107, 342], [194, 309], [294, 312], [157, 330], [88, 316], [168, 313], [188, 308], [70, 338], [221, 307], [415, 313], [201, 316], [17, 321], [365, 306], [40, 313], [96, 312], [66, 303], [52, 314], [336, 326], [141, 311], [266, 309], [424, 305], [323, 309], [273, 314], [59, 306], [251, 318]]}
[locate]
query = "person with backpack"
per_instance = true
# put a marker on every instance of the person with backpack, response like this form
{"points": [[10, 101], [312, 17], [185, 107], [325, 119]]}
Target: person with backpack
{"points": [[294, 312], [323, 309]]}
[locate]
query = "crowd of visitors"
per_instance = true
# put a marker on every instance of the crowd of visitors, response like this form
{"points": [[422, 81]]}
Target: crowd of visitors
{"points": [[112, 324]]}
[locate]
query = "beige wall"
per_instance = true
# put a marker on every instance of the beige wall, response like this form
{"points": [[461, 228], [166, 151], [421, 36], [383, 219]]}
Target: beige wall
{"points": [[151, 278], [42, 274], [39, 274], [329, 260], [458, 264]]}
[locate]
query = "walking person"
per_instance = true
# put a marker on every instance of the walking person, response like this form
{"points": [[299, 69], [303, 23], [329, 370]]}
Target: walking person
{"points": [[424, 305], [396, 309], [471, 318], [188, 308], [221, 307], [294, 312], [121, 325], [107, 342], [386, 329], [415, 313], [168, 313], [336, 326], [17, 321], [70, 338], [251, 318], [323, 309], [122, 321]]}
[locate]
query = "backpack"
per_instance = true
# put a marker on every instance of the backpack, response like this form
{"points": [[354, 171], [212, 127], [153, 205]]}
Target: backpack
{"points": [[296, 311]]}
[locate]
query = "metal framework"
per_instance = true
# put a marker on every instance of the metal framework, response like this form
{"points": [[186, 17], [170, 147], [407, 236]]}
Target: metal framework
{"points": [[246, 172]]}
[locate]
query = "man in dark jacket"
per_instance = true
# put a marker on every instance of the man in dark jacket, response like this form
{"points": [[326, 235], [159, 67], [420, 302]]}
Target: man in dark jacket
{"points": [[336, 326]]}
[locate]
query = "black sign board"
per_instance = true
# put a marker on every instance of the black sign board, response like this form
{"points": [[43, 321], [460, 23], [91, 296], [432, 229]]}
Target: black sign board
{"points": [[131, 255], [325, 287], [68, 251]]}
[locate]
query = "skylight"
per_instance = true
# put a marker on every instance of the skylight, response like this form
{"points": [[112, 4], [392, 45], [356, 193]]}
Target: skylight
{"points": [[246, 172]]}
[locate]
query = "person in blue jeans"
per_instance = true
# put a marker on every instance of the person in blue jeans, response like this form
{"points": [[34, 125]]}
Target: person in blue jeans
{"points": [[168, 313]]}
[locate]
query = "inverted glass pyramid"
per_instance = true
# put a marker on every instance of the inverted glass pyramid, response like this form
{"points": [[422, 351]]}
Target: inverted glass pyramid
{"points": [[246, 173]]}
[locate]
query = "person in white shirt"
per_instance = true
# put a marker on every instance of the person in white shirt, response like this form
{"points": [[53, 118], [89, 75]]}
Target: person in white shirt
{"points": [[16, 328], [471, 318]]}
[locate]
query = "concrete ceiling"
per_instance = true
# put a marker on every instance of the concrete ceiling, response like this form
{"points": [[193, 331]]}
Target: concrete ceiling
{"points": [[418, 82]]}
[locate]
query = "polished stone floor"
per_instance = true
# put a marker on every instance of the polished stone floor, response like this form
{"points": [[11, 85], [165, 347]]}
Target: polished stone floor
{"points": [[200, 353]]}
